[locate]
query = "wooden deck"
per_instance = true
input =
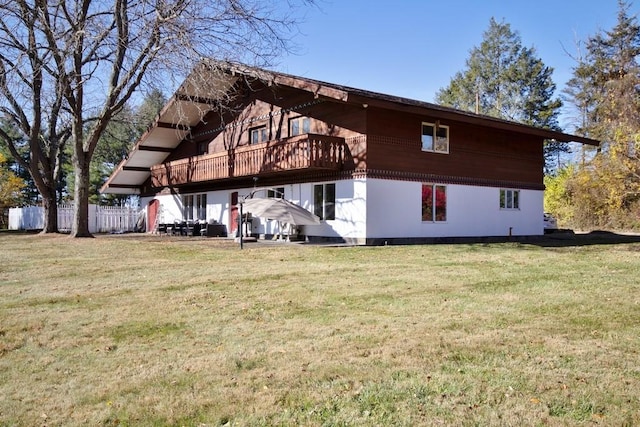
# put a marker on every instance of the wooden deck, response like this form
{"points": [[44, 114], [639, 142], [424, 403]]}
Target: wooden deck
{"points": [[298, 153]]}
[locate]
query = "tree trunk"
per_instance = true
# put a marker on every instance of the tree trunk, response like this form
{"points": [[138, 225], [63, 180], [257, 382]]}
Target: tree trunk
{"points": [[80, 226], [50, 206], [46, 185]]}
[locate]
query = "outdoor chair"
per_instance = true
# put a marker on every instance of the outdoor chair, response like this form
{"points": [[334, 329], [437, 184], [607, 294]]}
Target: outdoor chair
{"points": [[177, 228], [189, 228]]}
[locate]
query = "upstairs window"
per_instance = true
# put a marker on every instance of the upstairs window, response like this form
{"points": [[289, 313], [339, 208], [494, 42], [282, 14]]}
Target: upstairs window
{"points": [[258, 134], [509, 199], [324, 201], [299, 126], [435, 137]]}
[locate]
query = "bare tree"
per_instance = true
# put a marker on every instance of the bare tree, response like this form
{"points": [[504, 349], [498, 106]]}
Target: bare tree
{"points": [[68, 66]]}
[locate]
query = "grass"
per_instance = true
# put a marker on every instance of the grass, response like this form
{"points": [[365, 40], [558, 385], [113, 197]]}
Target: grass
{"points": [[148, 331]]}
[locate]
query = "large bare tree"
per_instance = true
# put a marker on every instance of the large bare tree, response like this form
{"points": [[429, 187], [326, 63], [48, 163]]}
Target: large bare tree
{"points": [[68, 66]]}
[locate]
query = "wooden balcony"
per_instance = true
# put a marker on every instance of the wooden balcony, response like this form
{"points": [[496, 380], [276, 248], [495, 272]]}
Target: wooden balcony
{"points": [[304, 152]]}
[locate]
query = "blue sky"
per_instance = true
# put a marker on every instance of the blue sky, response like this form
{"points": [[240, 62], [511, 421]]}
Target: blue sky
{"points": [[412, 48]]}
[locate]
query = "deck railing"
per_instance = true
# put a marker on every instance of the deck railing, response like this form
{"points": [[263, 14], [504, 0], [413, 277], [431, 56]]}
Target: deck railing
{"points": [[298, 153]]}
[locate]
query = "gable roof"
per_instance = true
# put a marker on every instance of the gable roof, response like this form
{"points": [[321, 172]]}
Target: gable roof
{"points": [[203, 92]]}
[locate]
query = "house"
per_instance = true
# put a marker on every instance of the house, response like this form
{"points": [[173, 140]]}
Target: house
{"points": [[375, 168]]}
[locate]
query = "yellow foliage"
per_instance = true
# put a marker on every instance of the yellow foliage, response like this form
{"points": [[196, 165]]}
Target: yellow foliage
{"points": [[556, 196], [11, 186]]}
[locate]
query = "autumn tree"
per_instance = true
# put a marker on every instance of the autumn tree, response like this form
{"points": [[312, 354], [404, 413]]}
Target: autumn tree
{"points": [[605, 92], [507, 80], [30, 195], [68, 67], [11, 187]]}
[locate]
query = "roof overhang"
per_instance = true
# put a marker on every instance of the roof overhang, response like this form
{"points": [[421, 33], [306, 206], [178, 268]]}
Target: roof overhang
{"points": [[197, 96]]}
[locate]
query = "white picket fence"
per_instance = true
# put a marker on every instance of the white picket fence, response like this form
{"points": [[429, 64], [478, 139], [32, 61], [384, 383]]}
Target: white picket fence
{"points": [[102, 219]]}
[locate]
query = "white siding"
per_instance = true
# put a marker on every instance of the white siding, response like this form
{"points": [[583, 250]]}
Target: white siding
{"points": [[351, 210], [395, 210], [377, 208]]}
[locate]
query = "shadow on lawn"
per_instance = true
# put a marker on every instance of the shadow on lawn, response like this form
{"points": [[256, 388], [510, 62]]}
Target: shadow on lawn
{"points": [[566, 238]]}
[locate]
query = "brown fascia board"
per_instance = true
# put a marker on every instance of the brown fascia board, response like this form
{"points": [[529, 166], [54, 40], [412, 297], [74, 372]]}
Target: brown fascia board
{"points": [[317, 88], [127, 186], [155, 149], [270, 78], [136, 169]]}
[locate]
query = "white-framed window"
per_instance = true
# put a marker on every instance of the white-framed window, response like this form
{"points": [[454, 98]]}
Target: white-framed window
{"points": [[201, 206], [258, 134], [299, 126], [435, 137], [194, 206], [276, 193], [509, 199], [434, 203], [324, 201]]}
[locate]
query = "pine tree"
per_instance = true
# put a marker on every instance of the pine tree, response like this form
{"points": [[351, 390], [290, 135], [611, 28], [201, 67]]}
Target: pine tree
{"points": [[507, 80]]}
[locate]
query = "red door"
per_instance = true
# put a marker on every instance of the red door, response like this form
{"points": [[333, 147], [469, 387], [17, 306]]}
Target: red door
{"points": [[233, 213], [152, 214]]}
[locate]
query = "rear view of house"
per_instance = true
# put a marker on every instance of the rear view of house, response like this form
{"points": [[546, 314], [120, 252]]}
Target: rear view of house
{"points": [[374, 168]]}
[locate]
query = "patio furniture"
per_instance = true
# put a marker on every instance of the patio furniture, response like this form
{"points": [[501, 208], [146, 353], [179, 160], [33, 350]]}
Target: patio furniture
{"points": [[213, 229]]}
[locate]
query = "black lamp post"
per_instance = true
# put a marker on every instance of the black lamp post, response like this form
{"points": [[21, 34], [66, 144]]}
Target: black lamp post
{"points": [[241, 225]]}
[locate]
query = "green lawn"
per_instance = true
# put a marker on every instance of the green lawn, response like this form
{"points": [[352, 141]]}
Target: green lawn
{"points": [[152, 331]]}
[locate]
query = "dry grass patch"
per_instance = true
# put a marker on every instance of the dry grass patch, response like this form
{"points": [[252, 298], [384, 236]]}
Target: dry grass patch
{"points": [[142, 330]]}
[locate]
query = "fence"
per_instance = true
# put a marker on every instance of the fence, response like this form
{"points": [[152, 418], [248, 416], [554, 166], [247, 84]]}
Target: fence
{"points": [[102, 219]]}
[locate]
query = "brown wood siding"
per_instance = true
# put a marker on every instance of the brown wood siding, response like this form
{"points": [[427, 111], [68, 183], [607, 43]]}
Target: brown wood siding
{"points": [[394, 144], [327, 118], [378, 140]]}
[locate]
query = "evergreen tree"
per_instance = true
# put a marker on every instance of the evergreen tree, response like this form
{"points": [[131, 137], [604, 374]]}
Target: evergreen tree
{"points": [[507, 80]]}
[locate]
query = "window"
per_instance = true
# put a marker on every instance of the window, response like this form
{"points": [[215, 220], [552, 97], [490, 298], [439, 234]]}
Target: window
{"points": [[435, 137], [203, 148], [509, 199], [324, 201], [187, 207], [276, 193], [299, 126], [434, 203], [197, 210], [201, 206], [258, 135]]}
